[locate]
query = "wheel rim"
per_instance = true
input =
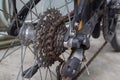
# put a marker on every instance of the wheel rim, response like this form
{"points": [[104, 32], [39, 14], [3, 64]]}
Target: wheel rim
{"points": [[8, 9]]}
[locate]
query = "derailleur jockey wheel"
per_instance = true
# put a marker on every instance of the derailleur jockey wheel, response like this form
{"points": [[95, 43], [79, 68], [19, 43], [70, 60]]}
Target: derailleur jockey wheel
{"points": [[49, 37]]}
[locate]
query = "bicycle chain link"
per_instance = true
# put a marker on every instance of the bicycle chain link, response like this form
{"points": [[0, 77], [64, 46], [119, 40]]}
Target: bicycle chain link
{"points": [[49, 38]]}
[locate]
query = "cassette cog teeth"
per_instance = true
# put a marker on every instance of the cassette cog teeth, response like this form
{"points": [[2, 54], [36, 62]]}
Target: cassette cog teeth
{"points": [[50, 33]]}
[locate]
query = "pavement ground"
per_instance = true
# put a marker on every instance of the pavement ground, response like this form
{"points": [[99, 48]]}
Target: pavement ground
{"points": [[106, 66]]}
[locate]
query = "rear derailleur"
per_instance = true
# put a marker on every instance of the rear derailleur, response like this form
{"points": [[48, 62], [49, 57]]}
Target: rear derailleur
{"points": [[78, 44]]}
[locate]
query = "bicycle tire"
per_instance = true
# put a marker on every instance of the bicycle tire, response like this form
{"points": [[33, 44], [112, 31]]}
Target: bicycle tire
{"points": [[115, 43]]}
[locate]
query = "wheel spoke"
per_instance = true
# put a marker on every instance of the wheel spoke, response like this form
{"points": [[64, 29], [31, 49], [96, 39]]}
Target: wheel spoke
{"points": [[68, 13], [35, 8], [51, 78], [65, 4], [52, 73], [40, 74], [29, 8], [46, 74], [23, 52], [6, 54], [30, 49]]}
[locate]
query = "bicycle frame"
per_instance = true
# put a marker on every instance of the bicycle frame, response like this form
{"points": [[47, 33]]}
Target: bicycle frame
{"points": [[89, 18]]}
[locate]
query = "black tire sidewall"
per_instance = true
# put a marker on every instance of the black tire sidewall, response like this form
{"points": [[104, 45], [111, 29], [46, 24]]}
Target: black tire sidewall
{"points": [[115, 42]]}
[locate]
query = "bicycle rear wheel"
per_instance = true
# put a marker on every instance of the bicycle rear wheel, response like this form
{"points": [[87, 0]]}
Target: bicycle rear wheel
{"points": [[30, 57]]}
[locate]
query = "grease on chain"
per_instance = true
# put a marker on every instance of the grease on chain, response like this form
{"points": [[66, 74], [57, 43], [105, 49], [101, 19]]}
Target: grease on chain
{"points": [[49, 38]]}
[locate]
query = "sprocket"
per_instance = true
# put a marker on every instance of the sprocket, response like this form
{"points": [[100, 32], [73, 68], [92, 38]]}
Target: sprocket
{"points": [[50, 37]]}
